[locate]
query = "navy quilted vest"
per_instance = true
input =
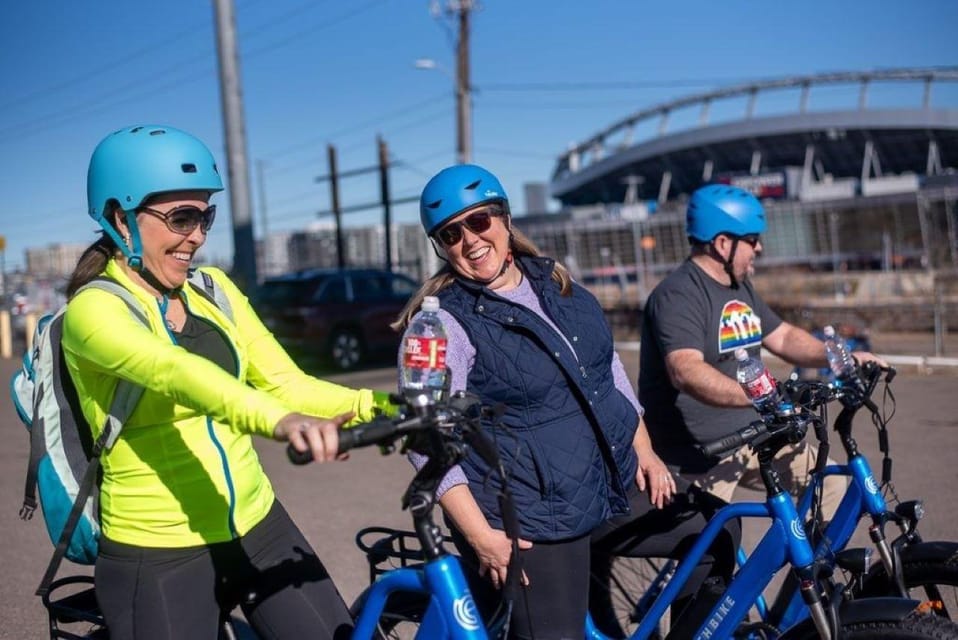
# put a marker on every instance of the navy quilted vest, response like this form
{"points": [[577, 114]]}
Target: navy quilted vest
{"points": [[567, 441]]}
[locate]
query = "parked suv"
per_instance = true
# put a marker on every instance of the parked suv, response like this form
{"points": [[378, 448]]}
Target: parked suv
{"points": [[340, 316]]}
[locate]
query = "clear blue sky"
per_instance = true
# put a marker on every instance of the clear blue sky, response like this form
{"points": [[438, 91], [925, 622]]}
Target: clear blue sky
{"points": [[316, 72]]}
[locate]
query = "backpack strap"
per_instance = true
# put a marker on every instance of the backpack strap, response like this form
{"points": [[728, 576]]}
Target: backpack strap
{"points": [[206, 286], [125, 398]]}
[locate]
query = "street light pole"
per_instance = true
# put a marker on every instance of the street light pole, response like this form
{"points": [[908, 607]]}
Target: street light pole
{"points": [[461, 82], [463, 90]]}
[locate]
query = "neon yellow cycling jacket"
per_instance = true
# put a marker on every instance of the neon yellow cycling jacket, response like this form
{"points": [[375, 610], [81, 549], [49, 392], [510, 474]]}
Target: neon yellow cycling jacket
{"points": [[184, 471]]}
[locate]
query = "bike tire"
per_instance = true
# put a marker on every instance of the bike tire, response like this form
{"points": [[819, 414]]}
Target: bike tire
{"points": [[615, 587], [401, 616], [932, 576], [911, 627]]}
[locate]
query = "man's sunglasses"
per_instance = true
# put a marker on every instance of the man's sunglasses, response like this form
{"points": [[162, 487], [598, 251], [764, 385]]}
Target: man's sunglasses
{"points": [[751, 239], [478, 222], [184, 220]]}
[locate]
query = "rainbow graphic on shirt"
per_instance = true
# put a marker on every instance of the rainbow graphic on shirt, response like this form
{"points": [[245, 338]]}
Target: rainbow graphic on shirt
{"points": [[740, 327]]}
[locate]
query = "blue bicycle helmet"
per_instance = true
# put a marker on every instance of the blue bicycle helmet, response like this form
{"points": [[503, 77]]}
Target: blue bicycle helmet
{"points": [[720, 208], [133, 164], [455, 189]]}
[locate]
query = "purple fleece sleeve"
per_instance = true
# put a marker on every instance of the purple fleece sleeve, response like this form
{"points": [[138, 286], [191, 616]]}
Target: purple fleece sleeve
{"points": [[621, 379], [460, 356]]}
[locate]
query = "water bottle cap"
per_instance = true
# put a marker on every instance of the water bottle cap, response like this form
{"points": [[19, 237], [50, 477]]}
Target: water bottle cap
{"points": [[741, 354], [829, 331], [430, 303]]}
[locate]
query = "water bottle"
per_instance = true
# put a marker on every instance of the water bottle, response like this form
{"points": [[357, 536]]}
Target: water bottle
{"points": [[423, 368], [757, 381], [840, 359]]}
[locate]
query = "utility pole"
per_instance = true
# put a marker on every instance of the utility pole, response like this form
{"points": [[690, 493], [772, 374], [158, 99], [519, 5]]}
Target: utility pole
{"points": [[384, 193], [244, 247], [334, 202], [463, 86], [263, 231]]}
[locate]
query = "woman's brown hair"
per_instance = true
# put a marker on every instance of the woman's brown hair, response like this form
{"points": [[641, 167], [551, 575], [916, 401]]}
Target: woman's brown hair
{"points": [[93, 260], [520, 245]]}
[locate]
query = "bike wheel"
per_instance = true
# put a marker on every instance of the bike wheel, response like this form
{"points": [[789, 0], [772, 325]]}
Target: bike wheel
{"points": [[401, 616], [931, 576], [615, 589], [912, 627]]}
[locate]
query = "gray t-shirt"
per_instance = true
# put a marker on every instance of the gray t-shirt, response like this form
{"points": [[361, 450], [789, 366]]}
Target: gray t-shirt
{"points": [[690, 310]]}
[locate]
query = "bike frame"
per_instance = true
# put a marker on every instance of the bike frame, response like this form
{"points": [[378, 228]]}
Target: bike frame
{"points": [[451, 613], [862, 496], [784, 543]]}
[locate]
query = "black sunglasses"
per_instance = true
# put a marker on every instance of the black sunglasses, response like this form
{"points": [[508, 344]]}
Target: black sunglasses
{"points": [[184, 220], [751, 239], [478, 222]]}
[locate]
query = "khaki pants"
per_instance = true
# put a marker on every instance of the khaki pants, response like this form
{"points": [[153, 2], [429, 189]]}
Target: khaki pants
{"points": [[793, 464]]}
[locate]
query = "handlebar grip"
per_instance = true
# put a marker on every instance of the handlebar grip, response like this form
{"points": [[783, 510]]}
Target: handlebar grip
{"points": [[361, 435], [734, 440]]}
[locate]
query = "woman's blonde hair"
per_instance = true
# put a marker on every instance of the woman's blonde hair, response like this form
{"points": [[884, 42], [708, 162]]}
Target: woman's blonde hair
{"points": [[520, 246]]}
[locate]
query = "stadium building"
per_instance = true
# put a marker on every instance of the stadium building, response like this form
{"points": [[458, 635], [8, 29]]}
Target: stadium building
{"points": [[850, 189]]}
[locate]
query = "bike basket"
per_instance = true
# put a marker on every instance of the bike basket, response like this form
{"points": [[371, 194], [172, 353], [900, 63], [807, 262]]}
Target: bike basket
{"points": [[73, 611], [388, 549]]}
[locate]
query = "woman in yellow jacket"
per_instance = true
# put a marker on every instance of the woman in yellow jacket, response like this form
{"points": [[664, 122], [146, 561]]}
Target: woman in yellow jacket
{"points": [[190, 523]]}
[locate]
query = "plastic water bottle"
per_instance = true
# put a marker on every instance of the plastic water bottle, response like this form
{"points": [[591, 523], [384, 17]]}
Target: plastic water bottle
{"points": [[757, 381], [840, 359], [423, 369]]}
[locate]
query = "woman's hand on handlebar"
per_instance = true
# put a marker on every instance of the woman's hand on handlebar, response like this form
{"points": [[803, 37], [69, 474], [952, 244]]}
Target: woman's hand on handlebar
{"points": [[319, 435]]}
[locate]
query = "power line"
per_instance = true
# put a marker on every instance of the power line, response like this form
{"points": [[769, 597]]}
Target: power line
{"points": [[599, 85], [115, 63], [361, 126], [32, 127]]}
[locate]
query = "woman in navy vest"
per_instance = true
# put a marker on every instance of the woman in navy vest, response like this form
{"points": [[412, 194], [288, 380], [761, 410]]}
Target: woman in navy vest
{"points": [[523, 335]]}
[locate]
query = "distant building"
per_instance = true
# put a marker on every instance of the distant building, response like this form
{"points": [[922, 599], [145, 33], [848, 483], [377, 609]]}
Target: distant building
{"points": [[54, 261]]}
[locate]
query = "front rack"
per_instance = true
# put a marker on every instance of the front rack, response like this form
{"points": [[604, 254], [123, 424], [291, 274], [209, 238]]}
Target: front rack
{"points": [[387, 549]]}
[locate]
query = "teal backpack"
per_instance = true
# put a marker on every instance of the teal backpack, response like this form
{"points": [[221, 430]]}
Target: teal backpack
{"points": [[64, 460]]}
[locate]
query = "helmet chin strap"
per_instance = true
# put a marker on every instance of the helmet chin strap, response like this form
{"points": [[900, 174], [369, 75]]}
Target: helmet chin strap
{"points": [[134, 254], [726, 263]]}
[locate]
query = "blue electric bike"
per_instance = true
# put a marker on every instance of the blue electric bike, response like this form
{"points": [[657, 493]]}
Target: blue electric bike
{"points": [[428, 590], [909, 566]]}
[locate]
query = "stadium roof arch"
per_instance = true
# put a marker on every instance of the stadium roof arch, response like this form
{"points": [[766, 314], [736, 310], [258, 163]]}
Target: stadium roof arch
{"points": [[859, 143]]}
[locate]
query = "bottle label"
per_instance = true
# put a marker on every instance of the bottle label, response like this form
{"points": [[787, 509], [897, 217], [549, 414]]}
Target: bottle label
{"points": [[760, 386], [424, 353]]}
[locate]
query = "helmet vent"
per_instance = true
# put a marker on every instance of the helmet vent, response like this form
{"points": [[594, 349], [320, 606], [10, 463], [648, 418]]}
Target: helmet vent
{"points": [[188, 168], [157, 132], [434, 205], [471, 186]]}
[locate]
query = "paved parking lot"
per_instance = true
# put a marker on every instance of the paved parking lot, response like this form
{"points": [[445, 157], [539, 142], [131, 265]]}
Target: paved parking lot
{"points": [[331, 502]]}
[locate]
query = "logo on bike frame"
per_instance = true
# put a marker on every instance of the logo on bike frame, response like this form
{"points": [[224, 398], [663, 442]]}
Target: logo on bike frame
{"points": [[870, 485], [797, 529], [464, 610]]}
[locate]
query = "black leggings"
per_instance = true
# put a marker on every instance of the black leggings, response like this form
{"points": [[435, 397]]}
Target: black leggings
{"points": [[272, 573], [554, 604]]}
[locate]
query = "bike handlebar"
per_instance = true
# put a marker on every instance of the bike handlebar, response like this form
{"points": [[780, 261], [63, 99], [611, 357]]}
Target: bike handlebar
{"points": [[380, 430], [735, 440]]}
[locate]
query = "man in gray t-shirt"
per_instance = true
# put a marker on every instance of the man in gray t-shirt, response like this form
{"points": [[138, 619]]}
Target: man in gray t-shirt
{"points": [[692, 323]]}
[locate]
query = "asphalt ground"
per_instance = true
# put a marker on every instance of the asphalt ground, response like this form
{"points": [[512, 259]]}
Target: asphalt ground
{"points": [[331, 502]]}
